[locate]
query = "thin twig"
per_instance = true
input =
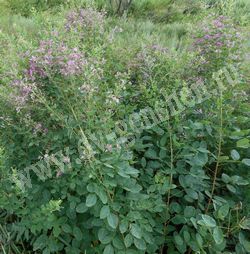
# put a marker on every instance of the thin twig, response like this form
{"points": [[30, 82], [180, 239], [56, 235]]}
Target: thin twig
{"points": [[171, 177], [118, 8], [218, 155], [171, 162]]}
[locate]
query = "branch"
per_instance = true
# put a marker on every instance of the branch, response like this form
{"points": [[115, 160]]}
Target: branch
{"points": [[119, 6], [218, 156]]}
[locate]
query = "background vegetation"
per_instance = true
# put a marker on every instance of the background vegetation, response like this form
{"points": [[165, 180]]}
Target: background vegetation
{"points": [[69, 67]]}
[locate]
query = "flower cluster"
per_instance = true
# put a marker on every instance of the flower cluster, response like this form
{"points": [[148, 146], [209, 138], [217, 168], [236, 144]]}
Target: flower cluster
{"points": [[123, 80], [217, 42], [113, 32], [112, 98], [85, 20], [158, 48], [22, 92], [86, 89], [145, 61], [55, 58], [148, 56], [39, 128]]}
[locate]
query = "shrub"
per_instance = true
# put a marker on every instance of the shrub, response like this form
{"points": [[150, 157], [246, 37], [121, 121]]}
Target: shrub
{"points": [[218, 43]]}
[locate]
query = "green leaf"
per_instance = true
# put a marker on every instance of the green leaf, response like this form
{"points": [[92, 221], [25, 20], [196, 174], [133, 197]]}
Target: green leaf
{"points": [[123, 226], [113, 220], [105, 236], [131, 171], [238, 180], [103, 196], [207, 221], [178, 240], [246, 162], [235, 155], [203, 150], [40, 242], [245, 224], [223, 211], [223, 158], [136, 231], [66, 228], [245, 242], [130, 251], [91, 200], [231, 188], [192, 194], [151, 154], [186, 236], [239, 249], [118, 243], [199, 240], [81, 208], [178, 219], [130, 185], [154, 164], [122, 173], [143, 162], [225, 178], [105, 212], [148, 237], [46, 251], [199, 159], [163, 140], [77, 233], [109, 249], [218, 235], [163, 153], [56, 230], [91, 187], [243, 143], [128, 240], [189, 211], [125, 170], [140, 244], [175, 208]]}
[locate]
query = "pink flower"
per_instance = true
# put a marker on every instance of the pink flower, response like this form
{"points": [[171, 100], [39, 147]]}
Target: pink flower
{"points": [[208, 37], [21, 93], [219, 44], [52, 57], [66, 160], [109, 148], [84, 20], [219, 24], [59, 173]]}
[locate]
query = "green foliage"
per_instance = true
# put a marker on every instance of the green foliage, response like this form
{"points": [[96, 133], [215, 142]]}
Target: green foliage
{"points": [[25, 8], [166, 11]]}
